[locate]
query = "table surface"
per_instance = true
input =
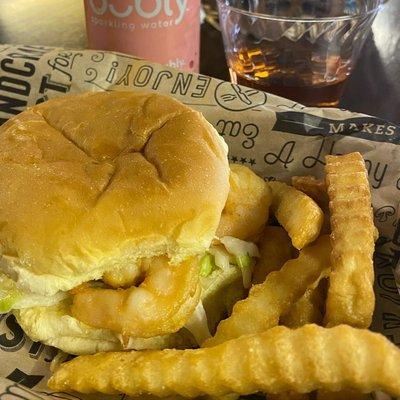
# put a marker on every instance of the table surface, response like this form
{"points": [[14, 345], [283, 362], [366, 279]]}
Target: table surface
{"points": [[373, 88]]}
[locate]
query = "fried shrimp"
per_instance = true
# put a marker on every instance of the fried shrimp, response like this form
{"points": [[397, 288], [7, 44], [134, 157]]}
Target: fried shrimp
{"points": [[246, 209], [161, 304], [276, 361], [126, 278]]}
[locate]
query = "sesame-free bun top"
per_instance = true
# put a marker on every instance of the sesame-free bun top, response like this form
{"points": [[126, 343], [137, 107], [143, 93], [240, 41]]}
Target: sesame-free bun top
{"points": [[90, 183]]}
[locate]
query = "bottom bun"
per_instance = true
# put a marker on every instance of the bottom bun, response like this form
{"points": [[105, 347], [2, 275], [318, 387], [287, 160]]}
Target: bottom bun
{"points": [[54, 326]]}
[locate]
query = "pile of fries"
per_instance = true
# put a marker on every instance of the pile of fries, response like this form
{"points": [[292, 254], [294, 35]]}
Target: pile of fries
{"points": [[302, 331]]}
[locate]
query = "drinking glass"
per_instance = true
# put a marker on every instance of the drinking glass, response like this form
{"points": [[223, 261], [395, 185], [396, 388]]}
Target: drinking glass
{"points": [[300, 49]]}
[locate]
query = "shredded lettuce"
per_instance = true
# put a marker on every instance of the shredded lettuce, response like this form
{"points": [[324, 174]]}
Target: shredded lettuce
{"points": [[245, 263], [244, 253], [13, 298], [8, 300], [207, 265], [239, 247], [221, 257], [220, 291], [9, 295], [198, 324]]}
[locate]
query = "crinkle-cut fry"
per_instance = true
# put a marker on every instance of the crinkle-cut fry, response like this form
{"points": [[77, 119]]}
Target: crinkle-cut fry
{"points": [[275, 361], [346, 394], [269, 300], [275, 249], [288, 396], [350, 297], [313, 187], [298, 213], [309, 309]]}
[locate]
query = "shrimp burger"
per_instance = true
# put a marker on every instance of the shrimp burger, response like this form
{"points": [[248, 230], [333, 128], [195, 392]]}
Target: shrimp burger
{"points": [[109, 209]]}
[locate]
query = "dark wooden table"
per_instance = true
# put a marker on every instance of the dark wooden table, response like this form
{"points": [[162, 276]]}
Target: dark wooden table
{"points": [[373, 88]]}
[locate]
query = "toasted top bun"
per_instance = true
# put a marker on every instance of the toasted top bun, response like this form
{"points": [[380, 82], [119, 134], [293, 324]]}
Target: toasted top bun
{"points": [[90, 183]]}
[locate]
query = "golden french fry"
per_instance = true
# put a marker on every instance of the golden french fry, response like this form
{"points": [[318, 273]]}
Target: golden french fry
{"points": [[313, 187], [316, 189], [247, 207], [343, 395], [275, 361], [350, 297], [269, 300], [309, 309], [275, 249], [298, 213]]}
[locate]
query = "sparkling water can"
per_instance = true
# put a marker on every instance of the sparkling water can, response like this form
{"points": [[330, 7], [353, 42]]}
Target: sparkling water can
{"points": [[163, 31]]}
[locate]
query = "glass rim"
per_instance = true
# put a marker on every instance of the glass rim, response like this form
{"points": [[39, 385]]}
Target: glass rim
{"points": [[301, 19]]}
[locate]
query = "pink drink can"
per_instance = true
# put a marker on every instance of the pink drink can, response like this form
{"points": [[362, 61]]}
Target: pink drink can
{"points": [[163, 31]]}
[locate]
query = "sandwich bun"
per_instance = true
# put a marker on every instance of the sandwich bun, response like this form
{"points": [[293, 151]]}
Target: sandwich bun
{"points": [[90, 183]]}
